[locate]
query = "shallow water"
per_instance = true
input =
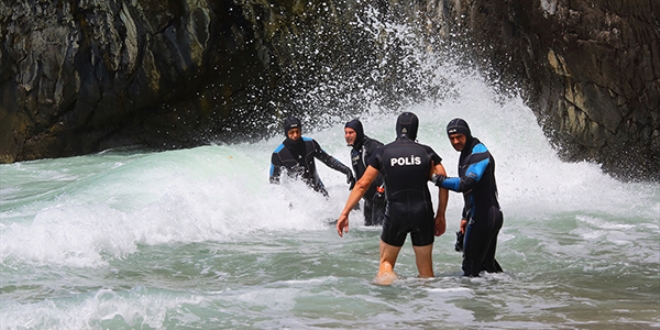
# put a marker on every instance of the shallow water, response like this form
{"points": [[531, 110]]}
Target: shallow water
{"points": [[197, 238]]}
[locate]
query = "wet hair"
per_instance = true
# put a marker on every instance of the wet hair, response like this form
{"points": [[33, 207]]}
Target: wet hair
{"points": [[407, 125]]}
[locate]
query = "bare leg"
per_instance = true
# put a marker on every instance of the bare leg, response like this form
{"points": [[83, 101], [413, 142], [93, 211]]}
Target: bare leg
{"points": [[388, 255], [423, 256]]}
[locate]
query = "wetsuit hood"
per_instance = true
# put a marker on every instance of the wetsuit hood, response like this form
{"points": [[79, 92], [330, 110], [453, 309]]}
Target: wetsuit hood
{"points": [[356, 125], [460, 126], [296, 148], [291, 122], [407, 125]]}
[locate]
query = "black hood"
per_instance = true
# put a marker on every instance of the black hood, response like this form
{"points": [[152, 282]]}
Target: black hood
{"points": [[356, 125], [291, 122], [460, 126], [407, 125]]}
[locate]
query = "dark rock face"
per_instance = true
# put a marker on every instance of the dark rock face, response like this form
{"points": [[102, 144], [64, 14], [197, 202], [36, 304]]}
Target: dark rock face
{"points": [[82, 76], [590, 70]]}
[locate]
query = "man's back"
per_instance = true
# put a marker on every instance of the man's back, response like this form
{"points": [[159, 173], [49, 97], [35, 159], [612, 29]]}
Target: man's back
{"points": [[405, 166]]}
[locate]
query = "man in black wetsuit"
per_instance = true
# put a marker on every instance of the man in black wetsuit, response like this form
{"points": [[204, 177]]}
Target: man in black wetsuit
{"points": [[406, 167], [482, 218], [363, 148], [296, 154]]}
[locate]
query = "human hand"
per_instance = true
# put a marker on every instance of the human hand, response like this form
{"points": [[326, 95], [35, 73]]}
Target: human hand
{"points": [[440, 224], [463, 225], [458, 246], [437, 179], [350, 179], [342, 225]]}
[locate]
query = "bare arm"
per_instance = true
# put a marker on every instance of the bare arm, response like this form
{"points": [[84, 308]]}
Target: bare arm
{"points": [[358, 191], [443, 197]]}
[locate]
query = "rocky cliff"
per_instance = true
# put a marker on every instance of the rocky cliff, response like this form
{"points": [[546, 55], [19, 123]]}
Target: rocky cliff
{"points": [[80, 76], [590, 70]]}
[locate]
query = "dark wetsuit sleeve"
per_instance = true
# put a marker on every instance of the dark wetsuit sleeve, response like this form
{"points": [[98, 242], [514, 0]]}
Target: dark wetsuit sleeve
{"points": [[275, 168], [370, 149], [328, 160], [434, 157], [375, 159], [475, 171]]}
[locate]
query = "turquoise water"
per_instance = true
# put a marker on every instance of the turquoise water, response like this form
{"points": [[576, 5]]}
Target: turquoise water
{"points": [[197, 238]]}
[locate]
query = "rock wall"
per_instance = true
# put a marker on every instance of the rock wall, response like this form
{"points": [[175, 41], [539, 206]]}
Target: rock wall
{"points": [[590, 70], [80, 76], [73, 73]]}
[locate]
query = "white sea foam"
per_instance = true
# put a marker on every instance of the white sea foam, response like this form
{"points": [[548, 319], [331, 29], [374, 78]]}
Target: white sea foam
{"points": [[239, 252]]}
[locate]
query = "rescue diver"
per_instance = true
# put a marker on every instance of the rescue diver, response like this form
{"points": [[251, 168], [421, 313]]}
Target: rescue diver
{"points": [[482, 218], [406, 167], [363, 148], [296, 154]]}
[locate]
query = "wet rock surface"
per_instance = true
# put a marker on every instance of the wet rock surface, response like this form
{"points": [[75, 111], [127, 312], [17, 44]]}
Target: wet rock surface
{"points": [[589, 69], [82, 76]]}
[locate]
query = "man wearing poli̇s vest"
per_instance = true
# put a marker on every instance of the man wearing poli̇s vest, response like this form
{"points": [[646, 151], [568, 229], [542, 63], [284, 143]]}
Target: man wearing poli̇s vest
{"points": [[406, 167]]}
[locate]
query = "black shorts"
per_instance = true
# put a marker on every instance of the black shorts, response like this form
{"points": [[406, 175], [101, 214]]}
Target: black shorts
{"points": [[402, 218]]}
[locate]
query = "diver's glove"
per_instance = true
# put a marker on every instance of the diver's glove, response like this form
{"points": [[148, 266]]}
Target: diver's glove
{"points": [[379, 196], [458, 246], [350, 179], [438, 179]]}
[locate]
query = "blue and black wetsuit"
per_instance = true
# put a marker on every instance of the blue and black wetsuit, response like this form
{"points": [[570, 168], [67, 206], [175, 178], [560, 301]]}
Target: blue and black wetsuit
{"points": [[363, 148], [476, 169], [297, 157], [406, 166]]}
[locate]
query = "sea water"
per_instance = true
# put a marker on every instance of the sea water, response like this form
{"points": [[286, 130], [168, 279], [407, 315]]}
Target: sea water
{"points": [[198, 238]]}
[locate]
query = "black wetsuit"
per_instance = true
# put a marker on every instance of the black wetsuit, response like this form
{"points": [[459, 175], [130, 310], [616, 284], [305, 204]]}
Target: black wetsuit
{"points": [[374, 201], [476, 169], [406, 166], [298, 159]]}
